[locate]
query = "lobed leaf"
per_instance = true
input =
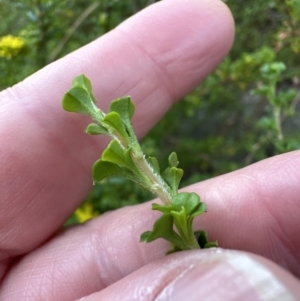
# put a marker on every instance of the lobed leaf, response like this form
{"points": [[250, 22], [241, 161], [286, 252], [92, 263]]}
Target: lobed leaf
{"points": [[129, 160], [80, 98], [96, 129], [172, 176], [114, 121], [173, 161], [83, 82], [104, 169], [200, 209], [163, 208], [180, 220], [163, 228], [114, 153], [124, 107], [189, 201]]}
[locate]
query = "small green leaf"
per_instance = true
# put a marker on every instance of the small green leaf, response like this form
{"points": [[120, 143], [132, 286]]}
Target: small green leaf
{"points": [[115, 153], [211, 244], [180, 220], [154, 164], [78, 100], [162, 208], [187, 200], [96, 129], [176, 175], [173, 161], [103, 169], [114, 121], [124, 107], [163, 228], [199, 209], [129, 160], [145, 236], [172, 176], [83, 82]]}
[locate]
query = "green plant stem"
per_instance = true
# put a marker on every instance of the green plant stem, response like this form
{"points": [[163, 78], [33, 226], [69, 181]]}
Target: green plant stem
{"points": [[153, 181], [277, 118], [71, 30], [276, 111], [157, 184]]}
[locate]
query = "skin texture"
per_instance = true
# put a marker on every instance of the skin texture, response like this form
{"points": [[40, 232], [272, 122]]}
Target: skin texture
{"points": [[46, 158]]}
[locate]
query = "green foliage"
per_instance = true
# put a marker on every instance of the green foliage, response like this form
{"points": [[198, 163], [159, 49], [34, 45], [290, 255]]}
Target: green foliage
{"points": [[124, 158], [181, 212], [54, 28]]}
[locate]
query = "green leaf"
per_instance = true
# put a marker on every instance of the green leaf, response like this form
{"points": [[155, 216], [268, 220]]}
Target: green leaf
{"points": [[162, 208], [83, 82], [122, 157], [129, 160], [114, 153], [80, 98], [173, 161], [180, 220], [154, 164], [124, 107], [103, 169], [96, 129], [114, 121], [189, 201], [200, 209], [211, 244], [172, 176], [184, 227], [163, 228]]}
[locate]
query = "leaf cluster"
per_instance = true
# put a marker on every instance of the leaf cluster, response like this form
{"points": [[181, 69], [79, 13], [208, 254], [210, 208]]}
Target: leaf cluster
{"points": [[124, 158], [180, 213]]}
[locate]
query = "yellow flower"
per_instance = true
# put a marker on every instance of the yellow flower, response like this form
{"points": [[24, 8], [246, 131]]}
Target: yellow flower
{"points": [[85, 212], [10, 46]]}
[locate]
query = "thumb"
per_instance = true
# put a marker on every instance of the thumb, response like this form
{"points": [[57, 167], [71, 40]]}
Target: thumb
{"points": [[209, 275]]}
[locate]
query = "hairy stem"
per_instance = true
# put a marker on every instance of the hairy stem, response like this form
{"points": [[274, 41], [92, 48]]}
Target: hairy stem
{"points": [[158, 185]]}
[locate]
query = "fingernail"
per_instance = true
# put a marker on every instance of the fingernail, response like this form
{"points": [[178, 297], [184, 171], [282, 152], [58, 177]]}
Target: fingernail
{"points": [[226, 277]]}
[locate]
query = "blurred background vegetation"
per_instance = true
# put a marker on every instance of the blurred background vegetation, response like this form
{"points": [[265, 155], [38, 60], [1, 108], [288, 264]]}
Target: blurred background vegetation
{"points": [[247, 110]]}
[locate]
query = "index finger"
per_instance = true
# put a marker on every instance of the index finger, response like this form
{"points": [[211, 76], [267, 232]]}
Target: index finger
{"points": [[45, 158]]}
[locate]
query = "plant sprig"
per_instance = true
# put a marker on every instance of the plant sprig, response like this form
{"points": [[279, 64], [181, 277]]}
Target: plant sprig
{"points": [[123, 157]]}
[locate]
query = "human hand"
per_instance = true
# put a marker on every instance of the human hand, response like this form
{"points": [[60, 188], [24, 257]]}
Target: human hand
{"points": [[156, 56]]}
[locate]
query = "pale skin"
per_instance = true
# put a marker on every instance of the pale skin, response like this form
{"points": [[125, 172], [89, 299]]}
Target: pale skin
{"points": [[157, 57]]}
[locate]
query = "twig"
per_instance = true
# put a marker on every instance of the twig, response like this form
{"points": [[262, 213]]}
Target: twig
{"points": [[71, 30]]}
